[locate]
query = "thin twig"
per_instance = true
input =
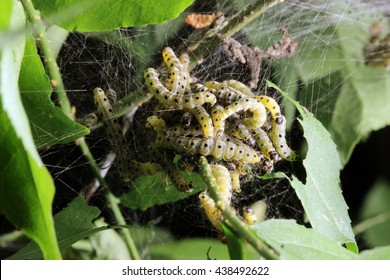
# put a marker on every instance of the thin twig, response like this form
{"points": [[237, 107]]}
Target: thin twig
{"points": [[237, 225], [113, 201]]}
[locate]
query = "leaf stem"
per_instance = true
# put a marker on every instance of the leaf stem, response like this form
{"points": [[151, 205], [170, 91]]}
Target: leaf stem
{"points": [[371, 222], [52, 69], [112, 199], [237, 225]]}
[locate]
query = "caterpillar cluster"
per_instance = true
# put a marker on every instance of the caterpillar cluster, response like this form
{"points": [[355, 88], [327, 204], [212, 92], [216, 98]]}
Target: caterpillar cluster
{"points": [[224, 121]]}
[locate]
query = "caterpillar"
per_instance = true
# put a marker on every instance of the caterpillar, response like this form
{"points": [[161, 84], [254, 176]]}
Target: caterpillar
{"points": [[170, 99], [271, 105], [204, 120], [157, 123], [240, 131], [235, 175], [203, 88], [173, 83], [249, 216], [186, 119], [166, 160], [114, 132], [177, 70], [181, 130], [278, 137], [247, 104], [225, 149], [90, 120], [240, 87], [210, 209], [226, 96], [177, 178], [265, 144], [224, 182]]}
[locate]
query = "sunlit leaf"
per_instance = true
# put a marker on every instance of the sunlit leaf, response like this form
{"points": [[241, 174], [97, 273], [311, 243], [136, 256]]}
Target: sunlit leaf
{"points": [[99, 15], [321, 194]]}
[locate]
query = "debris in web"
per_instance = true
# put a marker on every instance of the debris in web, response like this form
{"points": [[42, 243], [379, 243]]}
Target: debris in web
{"points": [[253, 56]]}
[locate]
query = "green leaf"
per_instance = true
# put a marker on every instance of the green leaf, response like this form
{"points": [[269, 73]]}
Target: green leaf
{"points": [[149, 191], [99, 15], [190, 249], [295, 242], [235, 244], [5, 13], [379, 253], [26, 187], [72, 224], [321, 194], [375, 215], [48, 123]]}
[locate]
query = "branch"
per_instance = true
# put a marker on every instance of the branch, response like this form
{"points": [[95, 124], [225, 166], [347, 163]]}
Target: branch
{"points": [[237, 225]]}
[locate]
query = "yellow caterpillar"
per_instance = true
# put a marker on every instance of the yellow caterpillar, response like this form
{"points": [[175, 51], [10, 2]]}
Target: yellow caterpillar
{"points": [[271, 105], [171, 99], [240, 131], [248, 104], [114, 132], [211, 211], [178, 73], [278, 137], [265, 144], [249, 216], [224, 182], [225, 149], [157, 123], [240, 87], [204, 120]]}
